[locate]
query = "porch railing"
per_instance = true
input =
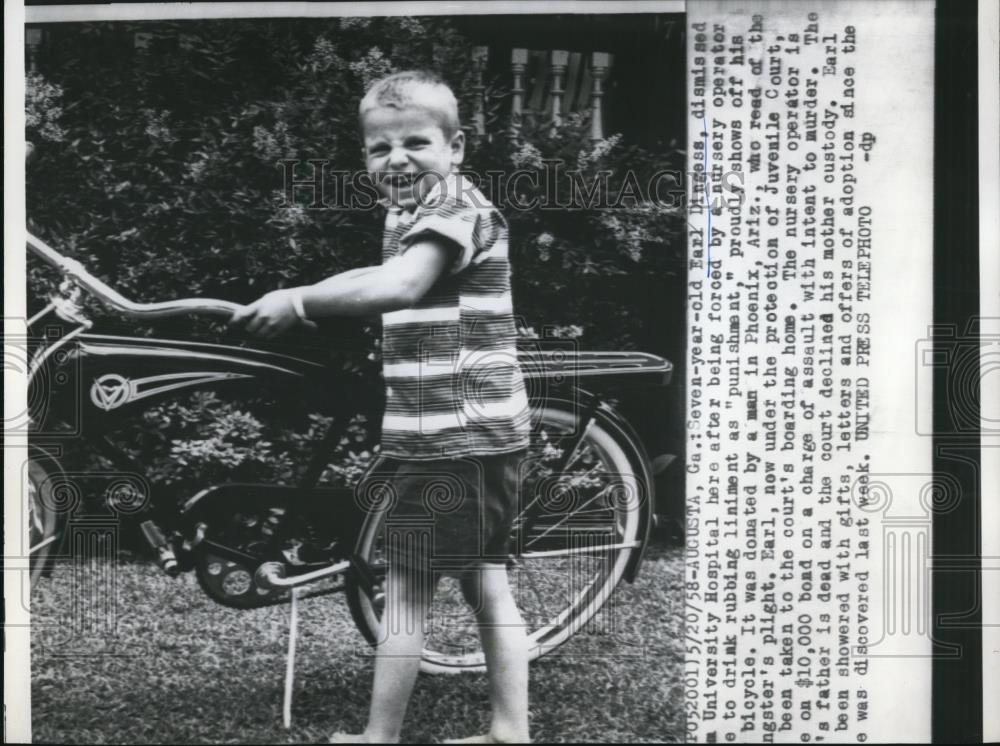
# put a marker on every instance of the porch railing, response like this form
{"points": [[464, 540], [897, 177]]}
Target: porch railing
{"points": [[548, 84]]}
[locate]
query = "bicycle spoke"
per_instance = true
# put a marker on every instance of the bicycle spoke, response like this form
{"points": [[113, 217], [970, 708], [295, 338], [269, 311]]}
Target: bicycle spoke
{"points": [[529, 506], [592, 511], [559, 572], [534, 589], [522, 516], [43, 543], [563, 521], [577, 453], [582, 551]]}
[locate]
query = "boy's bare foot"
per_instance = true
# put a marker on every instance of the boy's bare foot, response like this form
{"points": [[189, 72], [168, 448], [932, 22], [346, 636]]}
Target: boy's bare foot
{"points": [[348, 738]]}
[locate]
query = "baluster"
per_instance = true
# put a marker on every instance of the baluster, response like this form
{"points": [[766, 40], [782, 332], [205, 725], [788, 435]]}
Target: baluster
{"points": [[32, 39], [479, 57], [599, 63], [518, 64], [557, 66], [571, 83], [536, 99]]}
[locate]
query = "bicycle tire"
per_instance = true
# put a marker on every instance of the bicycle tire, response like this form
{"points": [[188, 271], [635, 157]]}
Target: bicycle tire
{"points": [[547, 629], [43, 519]]}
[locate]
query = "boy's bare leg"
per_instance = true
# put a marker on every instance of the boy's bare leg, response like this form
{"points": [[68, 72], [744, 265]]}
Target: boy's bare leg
{"points": [[506, 649], [397, 658]]}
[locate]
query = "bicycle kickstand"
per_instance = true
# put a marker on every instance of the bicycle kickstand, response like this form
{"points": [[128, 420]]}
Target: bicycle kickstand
{"points": [[293, 625]]}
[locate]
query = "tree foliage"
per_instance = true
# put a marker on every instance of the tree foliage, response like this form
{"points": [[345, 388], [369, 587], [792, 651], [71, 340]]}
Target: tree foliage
{"points": [[158, 164]]}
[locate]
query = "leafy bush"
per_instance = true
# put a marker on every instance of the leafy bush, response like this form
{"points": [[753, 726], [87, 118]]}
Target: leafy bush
{"points": [[579, 260], [203, 439], [158, 164]]}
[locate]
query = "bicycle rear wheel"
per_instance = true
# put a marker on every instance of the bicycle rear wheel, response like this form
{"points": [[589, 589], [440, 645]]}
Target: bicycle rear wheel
{"points": [[577, 528]]}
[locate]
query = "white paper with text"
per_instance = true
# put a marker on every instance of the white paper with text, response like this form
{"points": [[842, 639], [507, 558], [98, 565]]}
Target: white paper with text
{"points": [[810, 494]]}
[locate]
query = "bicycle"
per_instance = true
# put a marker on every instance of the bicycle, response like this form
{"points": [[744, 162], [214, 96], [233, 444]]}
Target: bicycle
{"points": [[587, 502]]}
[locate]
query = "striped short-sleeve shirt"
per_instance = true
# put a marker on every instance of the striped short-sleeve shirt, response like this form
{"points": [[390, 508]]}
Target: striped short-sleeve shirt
{"points": [[453, 383]]}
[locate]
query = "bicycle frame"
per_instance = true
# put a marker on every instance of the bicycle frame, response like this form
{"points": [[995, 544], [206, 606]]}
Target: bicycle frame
{"points": [[113, 377]]}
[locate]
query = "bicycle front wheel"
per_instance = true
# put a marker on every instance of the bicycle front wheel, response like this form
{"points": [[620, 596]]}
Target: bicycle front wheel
{"points": [[42, 500], [578, 526]]}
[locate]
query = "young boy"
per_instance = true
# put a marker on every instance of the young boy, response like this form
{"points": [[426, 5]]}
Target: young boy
{"points": [[456, 402]]}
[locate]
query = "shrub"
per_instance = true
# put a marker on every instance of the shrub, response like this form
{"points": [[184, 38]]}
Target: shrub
{"points": [[158, 165]]}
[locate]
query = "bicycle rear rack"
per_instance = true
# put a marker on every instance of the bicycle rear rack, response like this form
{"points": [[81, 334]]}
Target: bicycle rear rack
{"points": [[640, 368]]}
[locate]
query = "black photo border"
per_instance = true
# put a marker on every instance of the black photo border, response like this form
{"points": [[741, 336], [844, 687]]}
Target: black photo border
{"points": [[956, 596]]}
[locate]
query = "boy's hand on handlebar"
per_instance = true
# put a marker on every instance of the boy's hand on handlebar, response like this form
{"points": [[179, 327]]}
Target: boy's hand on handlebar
{"points": [[268, 316]]}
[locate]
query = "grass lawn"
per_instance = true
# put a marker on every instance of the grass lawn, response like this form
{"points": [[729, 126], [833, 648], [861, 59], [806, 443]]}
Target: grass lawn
{"points": [[164, 664]]}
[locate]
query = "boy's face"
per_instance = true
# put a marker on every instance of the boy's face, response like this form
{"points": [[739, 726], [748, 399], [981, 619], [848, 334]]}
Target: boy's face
{"points": [[400, 144]]}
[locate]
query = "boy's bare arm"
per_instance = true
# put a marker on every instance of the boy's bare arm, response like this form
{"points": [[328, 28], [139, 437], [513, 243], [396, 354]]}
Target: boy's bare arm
{"points": [[356, 271], [399, 283]]}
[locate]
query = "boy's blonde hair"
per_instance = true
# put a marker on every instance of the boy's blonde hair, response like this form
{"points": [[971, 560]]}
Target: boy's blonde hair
{"points": [[414, 88]]}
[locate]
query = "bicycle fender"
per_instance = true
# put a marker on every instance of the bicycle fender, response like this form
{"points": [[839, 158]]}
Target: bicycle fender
{"points": [[639, 457]]}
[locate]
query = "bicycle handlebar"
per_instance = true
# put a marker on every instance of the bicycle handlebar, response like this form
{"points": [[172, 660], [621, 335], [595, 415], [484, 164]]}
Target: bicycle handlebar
{"points": [[116, 300]]}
